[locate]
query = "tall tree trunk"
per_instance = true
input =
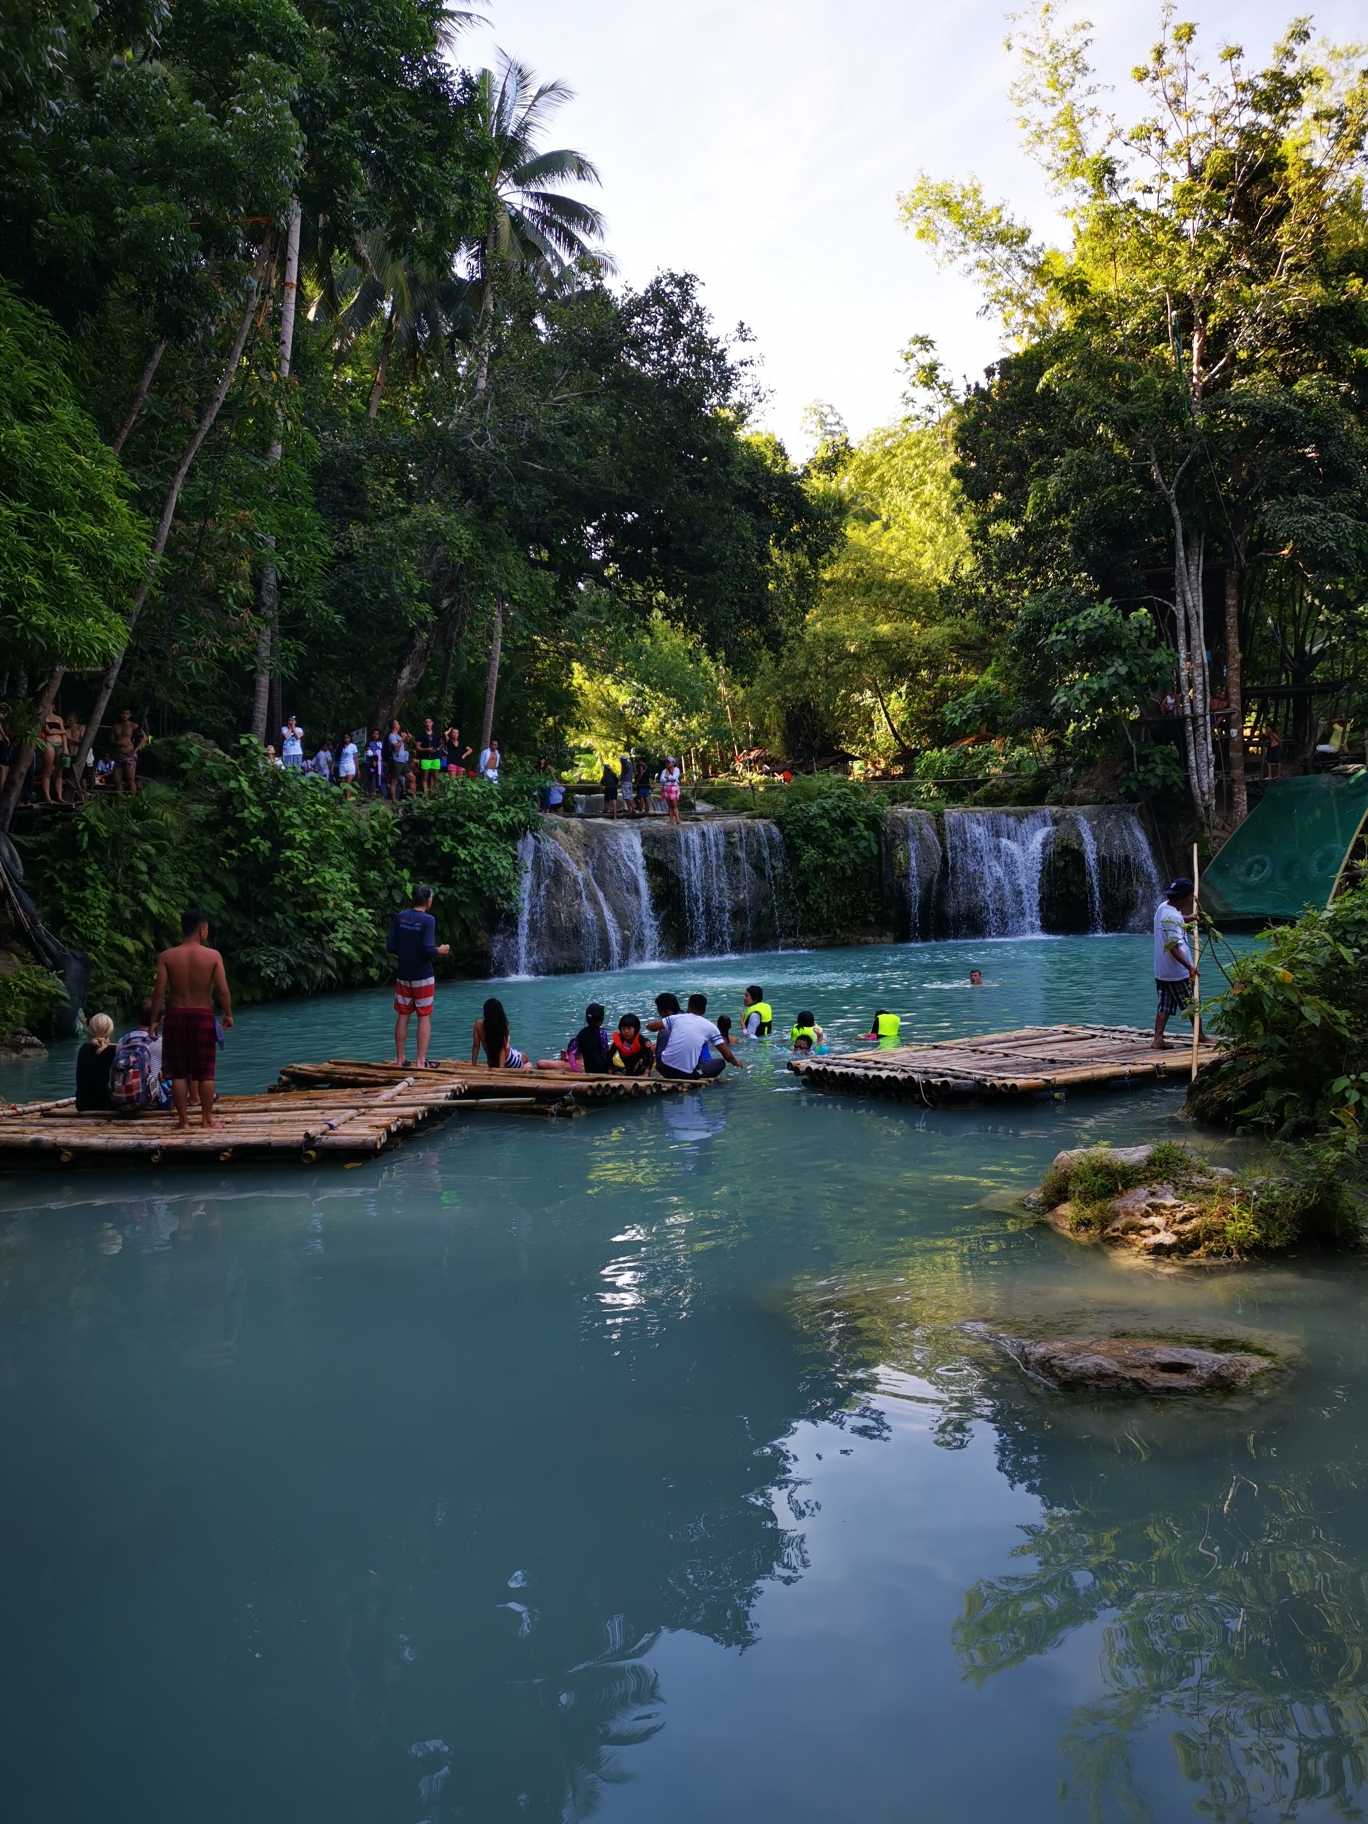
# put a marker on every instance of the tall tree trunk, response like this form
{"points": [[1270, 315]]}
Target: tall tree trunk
{"points": [[168, 514], [1239, 798], [449, 661], [18, 772], [486, 321], [268, 639], [385, 349], [140, 392], [405, 678], [492, 675]]}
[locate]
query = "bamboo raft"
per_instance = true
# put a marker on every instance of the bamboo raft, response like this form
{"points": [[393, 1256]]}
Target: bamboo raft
{"points": [[547, 1092], [344, 1109], [1033, 1060]]}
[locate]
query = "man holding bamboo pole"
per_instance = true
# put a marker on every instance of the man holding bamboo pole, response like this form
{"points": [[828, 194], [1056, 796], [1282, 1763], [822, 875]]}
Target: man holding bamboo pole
{"points": [[1174, 968]]}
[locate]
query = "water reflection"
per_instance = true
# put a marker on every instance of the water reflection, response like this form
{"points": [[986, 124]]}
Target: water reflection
{"points": [[1235, 1623], [447, 1557]]}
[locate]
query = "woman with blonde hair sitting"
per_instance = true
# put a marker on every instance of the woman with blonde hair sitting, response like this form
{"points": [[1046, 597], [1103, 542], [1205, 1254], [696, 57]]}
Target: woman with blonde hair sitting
{"points": [[94, 1062]]}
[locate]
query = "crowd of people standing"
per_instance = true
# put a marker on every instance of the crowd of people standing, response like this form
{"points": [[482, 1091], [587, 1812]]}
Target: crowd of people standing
{"points": [[393, 766]]}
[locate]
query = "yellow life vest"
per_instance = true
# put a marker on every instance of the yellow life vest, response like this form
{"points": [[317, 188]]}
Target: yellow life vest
{"points": [[803, 1032], [766, 1013], [886, 1026]]}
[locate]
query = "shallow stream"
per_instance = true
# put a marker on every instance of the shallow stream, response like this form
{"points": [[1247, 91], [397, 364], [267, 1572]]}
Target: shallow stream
{"points": [[641, 1464]]}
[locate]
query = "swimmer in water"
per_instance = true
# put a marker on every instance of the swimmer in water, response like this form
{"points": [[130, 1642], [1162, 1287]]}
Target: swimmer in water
{"points": [[884, 1026], [976, 978]]}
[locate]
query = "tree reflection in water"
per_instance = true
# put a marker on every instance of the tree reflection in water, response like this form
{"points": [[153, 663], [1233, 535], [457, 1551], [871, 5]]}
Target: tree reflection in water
{"points": [[1220, 1548], [1239, 1620]]}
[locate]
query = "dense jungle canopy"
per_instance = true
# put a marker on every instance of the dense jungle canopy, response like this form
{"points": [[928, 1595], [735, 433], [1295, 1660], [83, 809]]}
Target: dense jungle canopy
{"points": [[320, 395]]}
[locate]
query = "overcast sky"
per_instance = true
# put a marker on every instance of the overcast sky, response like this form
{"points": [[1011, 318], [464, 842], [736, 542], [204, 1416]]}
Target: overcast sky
{"points": [[763, 145]]}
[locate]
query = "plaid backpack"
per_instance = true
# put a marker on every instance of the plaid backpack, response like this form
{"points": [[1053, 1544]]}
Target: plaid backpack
{"points": [[131, 1082]]}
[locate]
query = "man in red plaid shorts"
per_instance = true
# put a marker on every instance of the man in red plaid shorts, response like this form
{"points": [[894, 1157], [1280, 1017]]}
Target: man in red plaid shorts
{"points": [[412, 941], [188, 979]]}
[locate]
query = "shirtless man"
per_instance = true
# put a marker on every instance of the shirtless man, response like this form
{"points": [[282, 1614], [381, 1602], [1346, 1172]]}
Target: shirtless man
{"points": [[188, 978], [126, 738]]}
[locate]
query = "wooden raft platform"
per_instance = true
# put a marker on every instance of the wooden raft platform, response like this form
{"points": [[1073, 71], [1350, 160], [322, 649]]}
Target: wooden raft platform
{"points": [[344, 1109], [1021, 1063], [552, 1092]]}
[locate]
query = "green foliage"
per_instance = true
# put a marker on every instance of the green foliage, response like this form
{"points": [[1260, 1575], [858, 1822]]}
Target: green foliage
{"points": [[832, 838], [1255, 1212], [1296, 1015], [27, 995], [71, 547], [301, 883]]}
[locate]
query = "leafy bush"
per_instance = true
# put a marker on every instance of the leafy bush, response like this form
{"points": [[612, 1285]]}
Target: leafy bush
{"points": [[1296, 1014], [832, 839], [27, 993], [300, 882]]}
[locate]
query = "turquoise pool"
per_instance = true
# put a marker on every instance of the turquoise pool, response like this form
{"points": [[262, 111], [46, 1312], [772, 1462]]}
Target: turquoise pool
{"points": [[642, 1465]]}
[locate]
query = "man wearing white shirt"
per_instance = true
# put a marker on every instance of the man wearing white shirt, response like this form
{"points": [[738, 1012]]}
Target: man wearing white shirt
{"points": [[1174, 969], [489, 762], [682, 1038]]}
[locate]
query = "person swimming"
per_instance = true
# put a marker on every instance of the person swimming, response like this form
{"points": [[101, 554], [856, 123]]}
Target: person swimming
{"points": [[757, 1016], [884, 1025], [976, 978], [806, 1027]]}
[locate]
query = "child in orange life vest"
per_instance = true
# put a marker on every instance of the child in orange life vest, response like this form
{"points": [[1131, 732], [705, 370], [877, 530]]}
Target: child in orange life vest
{"points": [[628, 1051]]}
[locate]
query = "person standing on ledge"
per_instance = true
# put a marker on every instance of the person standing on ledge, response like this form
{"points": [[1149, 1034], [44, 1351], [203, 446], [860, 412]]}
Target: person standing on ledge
{"points": [[1174, 969], [189, 978], [413, 941]]}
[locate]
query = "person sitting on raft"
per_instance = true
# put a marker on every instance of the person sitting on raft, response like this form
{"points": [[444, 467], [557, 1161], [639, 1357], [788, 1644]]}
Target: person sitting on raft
{"points": [[94, 1062], [806, 1027], [884, 1025], [588, 1050], [757, 1014], [629, 1051], [683, 1037], [491, 1031]]}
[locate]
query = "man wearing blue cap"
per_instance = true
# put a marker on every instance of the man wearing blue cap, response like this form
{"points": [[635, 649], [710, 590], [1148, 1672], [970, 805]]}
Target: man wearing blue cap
{"points": [[1174, 969]]}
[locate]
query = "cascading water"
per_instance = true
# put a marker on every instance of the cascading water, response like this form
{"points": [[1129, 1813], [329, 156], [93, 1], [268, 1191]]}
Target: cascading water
{"points": [[912, 864], [995, 861], [603, 895], [585, 904], [1129, 883], [703, 877], [1088, 839]]}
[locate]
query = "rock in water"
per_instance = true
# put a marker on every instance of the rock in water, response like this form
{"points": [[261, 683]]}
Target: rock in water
{"points": [[1110, 1364]]}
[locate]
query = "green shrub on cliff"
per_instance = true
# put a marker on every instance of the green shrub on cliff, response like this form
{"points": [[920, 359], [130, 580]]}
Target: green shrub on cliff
{"points": [[300, 882], [832, 839], [1296, 1016]]}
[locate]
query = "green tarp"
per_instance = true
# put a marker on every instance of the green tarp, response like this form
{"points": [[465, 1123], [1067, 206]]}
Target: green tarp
{"points": [[1288, 852]]}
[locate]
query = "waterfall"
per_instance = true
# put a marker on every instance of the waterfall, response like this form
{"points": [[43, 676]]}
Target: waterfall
{"points": [[584, 904], [1088, 838], [734, 890], [1129, 883], [995, 859], [707, 899], [617, 864], [915, 875]]}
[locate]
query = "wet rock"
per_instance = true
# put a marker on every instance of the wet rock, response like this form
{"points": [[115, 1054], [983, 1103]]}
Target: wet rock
{"points": [[1137, 1157], [1124, 1365]]}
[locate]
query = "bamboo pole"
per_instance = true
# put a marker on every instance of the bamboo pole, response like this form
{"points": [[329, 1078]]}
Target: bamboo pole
{"points": [[1196, 962]]}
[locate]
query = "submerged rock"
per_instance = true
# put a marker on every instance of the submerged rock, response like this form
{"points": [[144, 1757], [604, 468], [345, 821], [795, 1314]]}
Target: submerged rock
{"points": [[1111, 1364]]}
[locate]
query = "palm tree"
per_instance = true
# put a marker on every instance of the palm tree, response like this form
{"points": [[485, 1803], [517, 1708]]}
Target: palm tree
{"points": [[528, 222], [426, 308]]}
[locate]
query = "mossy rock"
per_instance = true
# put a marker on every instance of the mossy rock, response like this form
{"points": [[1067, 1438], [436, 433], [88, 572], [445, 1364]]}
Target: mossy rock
{"points": [[1165, 1202]]}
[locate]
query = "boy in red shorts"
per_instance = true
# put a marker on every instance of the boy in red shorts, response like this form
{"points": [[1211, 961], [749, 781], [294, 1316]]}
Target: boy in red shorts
{"points": [[188, 979], [412, 941]]}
